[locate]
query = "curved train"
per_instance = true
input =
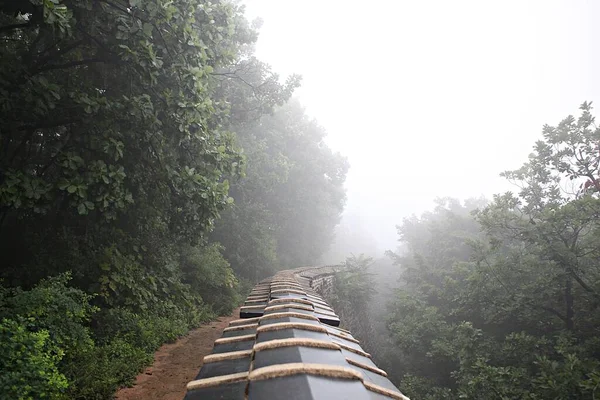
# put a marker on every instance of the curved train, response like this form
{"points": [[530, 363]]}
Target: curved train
{"points": [[287, 345]]}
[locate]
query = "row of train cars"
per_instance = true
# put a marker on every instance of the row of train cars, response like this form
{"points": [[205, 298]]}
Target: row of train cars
{"points": [[287, 345]]}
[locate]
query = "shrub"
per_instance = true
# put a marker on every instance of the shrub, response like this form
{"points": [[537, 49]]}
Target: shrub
{"points": [[105, 368], [29, 363], [62, 311], [144, 331], [49, 350], [211, 276]]}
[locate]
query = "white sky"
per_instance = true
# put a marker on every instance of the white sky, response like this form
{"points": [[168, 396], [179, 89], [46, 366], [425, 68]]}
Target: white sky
{"points": [[431, 98]]}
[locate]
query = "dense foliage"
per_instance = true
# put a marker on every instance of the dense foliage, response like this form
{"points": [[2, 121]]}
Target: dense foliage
{"points": [[288, 205], [358, 295], [353, 289], [127, 129], [501, 299]]}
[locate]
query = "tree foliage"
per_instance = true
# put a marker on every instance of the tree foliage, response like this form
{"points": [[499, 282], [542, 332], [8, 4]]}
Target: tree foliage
{"points": [[291, 199], [353, 289], [118, 155], [501, 300], [29, 363]]}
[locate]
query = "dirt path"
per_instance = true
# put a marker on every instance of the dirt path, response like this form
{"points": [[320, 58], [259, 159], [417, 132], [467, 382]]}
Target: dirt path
{"points": [[176, 364]]}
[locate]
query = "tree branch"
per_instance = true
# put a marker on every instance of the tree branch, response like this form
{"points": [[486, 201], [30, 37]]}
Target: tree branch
{"points": [[60, 52], [49, 124], [74, 64], [116, 7], [95, 40], [7, 28], [551, 311]]}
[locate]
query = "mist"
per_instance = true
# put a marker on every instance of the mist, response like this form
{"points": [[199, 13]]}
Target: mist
{"points": [[431, 98], [411, 186]]}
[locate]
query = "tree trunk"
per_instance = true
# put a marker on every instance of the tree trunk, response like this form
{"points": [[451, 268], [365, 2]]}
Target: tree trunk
{"points": [[569, 302]]}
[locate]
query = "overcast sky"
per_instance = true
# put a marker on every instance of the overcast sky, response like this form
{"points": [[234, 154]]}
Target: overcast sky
{"points": [[431, 98]]}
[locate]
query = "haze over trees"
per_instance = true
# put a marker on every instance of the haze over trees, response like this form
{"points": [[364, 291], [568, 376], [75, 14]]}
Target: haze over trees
{"points": [[500, 299], [151, 167]]}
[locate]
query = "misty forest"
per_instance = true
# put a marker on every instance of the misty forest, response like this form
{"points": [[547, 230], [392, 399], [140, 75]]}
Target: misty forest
{"points": [[153, 168]]}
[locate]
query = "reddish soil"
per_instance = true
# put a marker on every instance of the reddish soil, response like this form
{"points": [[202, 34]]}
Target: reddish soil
{"points": [[176, 364]]}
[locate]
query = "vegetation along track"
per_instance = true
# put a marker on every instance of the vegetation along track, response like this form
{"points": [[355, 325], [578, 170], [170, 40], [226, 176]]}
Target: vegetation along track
{"points": [[287, 345], [175, 364]]}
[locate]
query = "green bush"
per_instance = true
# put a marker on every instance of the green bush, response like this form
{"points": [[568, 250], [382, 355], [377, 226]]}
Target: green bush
{"points": [[185, 306], [61, 310], [105, 368], [51, 351], [59, 313], [144, 331], [211, 276], [55, 343], [29, 363]]}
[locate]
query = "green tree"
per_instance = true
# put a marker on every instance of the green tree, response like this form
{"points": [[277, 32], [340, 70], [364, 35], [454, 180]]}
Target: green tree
{"points": [[114, 148], [510, 311], [555, 216], [291, 198], [353, 289], [117, 153], [309, 204], [247, 228]]}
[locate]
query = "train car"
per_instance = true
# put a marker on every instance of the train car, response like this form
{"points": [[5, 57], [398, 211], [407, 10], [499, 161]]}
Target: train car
{"points": [[287, 345]]}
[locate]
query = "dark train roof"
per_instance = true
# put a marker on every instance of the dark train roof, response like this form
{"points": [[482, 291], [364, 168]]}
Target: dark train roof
{"points": [[287, 345]]}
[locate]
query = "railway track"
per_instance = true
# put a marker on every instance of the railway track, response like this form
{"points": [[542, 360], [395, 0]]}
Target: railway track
{"points": [[287, 345]]}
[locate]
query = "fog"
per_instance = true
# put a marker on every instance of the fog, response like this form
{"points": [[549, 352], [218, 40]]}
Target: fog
{"points": [[429, 98], [159, 164]]}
